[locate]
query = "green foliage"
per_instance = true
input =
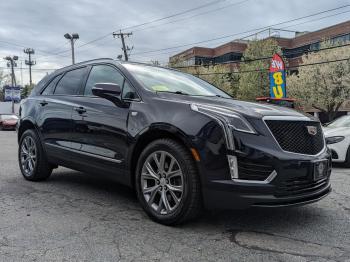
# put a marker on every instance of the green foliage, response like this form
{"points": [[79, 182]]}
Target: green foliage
{"points": [[255, 84], [25, 92], [4, 78], [218, 75], [323, 86]]}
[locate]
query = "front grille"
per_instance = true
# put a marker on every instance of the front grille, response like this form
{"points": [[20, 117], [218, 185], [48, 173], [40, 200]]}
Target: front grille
{"points": [[301, 185], [293, 136], [249, 170]]}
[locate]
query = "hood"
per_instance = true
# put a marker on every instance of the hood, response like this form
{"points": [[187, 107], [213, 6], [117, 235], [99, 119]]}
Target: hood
{"points": [[250, 109], [336, 131]]}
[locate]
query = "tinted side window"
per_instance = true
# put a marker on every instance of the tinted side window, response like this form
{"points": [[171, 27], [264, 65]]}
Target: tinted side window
{"points": [[70, 83], [129, 92], [103, 74], [51, 87]]}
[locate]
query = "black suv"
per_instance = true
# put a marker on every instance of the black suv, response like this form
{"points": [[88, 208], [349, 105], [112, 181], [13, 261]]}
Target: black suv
{"points": [[182, 143]]}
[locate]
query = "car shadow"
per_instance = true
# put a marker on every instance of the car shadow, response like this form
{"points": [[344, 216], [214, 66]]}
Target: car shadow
{"points": [[252, 219], [89, 184]]}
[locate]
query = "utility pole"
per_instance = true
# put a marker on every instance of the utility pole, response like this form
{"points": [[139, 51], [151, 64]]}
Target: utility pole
{"points": [[124, 48], [12, 63], [72, 38], [29, 62]]}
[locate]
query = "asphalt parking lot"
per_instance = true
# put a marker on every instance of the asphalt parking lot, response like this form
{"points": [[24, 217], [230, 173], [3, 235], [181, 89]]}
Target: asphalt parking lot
{"points": [[77, 217]]}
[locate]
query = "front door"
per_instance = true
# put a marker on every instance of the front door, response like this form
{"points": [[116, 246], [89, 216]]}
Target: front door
{"points": [[100, 126]]}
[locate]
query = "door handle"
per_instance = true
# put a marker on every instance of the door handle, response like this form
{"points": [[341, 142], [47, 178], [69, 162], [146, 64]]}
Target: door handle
{"points": [[80, 109], [43, 103]]}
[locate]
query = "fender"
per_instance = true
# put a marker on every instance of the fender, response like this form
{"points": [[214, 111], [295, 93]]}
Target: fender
{"points": [[146, 135], [33, 123]]}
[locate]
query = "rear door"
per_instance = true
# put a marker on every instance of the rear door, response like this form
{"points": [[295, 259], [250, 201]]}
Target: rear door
{"points": [[100, 126], [55, 113]]}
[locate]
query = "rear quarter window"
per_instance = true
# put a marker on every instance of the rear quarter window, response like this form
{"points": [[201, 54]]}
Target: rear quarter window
{"points": [[70, 83], [50, 88]]}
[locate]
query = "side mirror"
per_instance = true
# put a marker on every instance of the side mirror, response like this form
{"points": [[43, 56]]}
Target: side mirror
{"points": [[103, 89], [108, 91]]}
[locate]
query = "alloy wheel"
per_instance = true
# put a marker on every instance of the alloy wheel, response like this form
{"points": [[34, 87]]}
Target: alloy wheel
{"points": [[28, 155], [162, 182]]}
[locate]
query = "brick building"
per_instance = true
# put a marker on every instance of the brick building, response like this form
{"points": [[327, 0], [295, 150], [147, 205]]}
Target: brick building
{"points": [[293, 48]]}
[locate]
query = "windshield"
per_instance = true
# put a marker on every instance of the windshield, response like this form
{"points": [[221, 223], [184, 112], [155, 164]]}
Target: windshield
{"points": [[343, 121], [165, 80], [8, 117]]}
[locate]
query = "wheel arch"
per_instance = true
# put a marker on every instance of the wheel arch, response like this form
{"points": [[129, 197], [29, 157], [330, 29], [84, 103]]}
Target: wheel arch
{"points": [[150, 134], [24, 125]]}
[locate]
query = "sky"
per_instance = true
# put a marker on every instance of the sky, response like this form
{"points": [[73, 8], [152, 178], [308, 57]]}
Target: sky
{"points": [[41, 24]]}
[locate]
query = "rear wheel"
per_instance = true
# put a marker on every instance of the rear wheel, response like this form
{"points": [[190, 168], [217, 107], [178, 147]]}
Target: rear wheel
{"points": [[32, 160], [167, 182]]}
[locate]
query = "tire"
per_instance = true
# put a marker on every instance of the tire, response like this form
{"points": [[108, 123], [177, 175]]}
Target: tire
{"points": [[30, 149], [347, 159], [182, 174]]}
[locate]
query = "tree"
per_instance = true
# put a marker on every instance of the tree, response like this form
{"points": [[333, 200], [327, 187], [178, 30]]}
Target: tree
{"points": [[324, 86], [25, 92], [4, 78], [255, 84], [218, 75]]}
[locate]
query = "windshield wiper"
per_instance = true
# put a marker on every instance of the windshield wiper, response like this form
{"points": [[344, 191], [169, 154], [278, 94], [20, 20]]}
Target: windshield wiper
{"points": [[174, 92]]}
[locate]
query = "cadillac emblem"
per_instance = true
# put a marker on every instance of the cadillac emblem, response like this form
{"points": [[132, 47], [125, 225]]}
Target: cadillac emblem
{"points": [[312, 130]]}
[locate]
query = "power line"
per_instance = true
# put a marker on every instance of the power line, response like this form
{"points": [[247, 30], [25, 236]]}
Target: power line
{"points": [[190, 17], [174, 15], [142, 24], [296, 52], [317, 19], [244, 32], [266, 69], [237, 62], [34, 69]]}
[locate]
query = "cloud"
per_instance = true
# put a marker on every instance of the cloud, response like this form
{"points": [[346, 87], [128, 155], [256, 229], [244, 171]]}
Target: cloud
{"points": [[41, 24]]}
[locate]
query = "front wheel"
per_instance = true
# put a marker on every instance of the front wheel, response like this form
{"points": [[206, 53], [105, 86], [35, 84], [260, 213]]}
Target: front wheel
{"points": [[167, 182]]}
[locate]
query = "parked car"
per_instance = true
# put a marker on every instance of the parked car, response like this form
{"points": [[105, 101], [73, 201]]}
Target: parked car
{"points": [[8, 121], [180, 142], [337, 135]]}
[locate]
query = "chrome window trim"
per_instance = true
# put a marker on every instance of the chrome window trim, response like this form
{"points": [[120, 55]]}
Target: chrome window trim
{"points": [[293, 118]]}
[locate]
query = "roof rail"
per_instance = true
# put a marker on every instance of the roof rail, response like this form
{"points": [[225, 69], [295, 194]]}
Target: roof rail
{"points": [[96, 59], [83, 62]]}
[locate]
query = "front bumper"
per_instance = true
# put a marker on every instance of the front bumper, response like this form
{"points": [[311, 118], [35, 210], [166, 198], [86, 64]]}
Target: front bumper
{"points": [[293, 185], [232, 199]]}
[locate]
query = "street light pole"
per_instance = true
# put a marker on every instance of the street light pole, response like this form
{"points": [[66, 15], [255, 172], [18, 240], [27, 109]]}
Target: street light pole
{"points": [[11, 63], [72, 38]]}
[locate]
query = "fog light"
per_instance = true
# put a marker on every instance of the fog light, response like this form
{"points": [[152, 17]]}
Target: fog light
{"points": [[232, 162]]}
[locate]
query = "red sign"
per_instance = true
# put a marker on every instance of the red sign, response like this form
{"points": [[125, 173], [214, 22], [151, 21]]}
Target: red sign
{"points": [[277, 63]]}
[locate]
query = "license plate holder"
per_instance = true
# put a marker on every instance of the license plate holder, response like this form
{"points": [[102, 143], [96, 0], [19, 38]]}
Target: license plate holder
{"points": [[320, 169]]}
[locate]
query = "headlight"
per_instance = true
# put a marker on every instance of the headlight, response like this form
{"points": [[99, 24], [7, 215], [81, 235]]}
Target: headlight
{"points": [[232, 119], [334, 139]]}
